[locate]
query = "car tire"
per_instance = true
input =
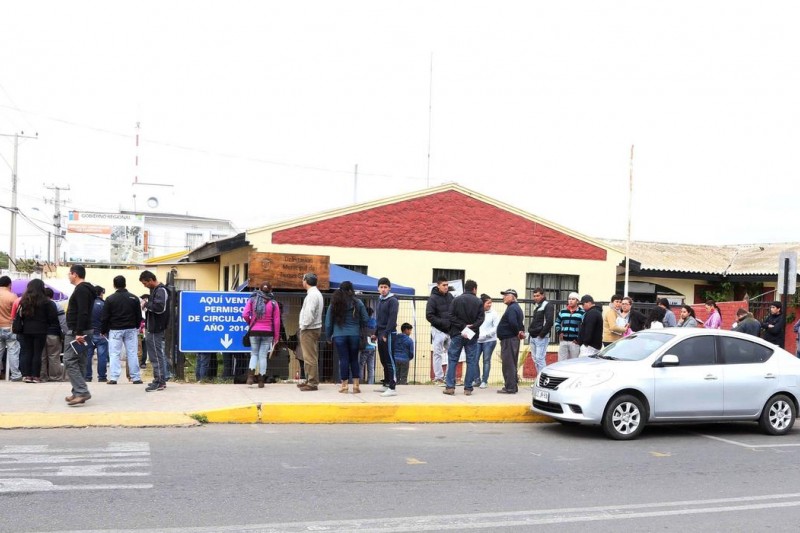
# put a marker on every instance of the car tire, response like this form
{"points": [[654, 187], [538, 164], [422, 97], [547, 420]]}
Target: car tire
{"points": [[778, 415], [624, 418]]}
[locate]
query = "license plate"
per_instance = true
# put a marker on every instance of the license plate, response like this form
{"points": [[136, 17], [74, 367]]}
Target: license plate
{"points": [[541, 395]]}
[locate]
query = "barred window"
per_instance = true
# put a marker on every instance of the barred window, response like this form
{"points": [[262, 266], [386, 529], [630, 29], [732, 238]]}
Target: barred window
{"points": [[193, 240], [555, 286], [449, 273], [361, 269]]}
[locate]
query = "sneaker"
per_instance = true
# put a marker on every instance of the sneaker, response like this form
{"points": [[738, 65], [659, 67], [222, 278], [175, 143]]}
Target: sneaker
{"points": [[483, 385], [389, 392], [17, 379], [111, 382], [155, 387], [439, 382], [382, 388], [137, 382]]}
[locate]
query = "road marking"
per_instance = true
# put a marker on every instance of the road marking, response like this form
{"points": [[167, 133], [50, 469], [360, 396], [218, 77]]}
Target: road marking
{"points": [[661, 454], [413, 461], [23, 466], [745, 445], [506, 519]]}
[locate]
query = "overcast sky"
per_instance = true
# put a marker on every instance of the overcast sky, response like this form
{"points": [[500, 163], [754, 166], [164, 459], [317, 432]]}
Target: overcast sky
{"points": [[258, 111]]}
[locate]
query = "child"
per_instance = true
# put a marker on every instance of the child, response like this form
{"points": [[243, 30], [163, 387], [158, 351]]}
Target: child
{"points": [[403, 353], [366, 356]]}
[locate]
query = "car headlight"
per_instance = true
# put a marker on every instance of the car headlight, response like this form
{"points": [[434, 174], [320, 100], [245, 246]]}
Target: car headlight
{"points": [[590, 380]]}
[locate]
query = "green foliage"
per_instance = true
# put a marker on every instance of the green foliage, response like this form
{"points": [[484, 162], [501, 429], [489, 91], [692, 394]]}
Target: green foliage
{"points": [[203, 419], [722, 293], [3, 260], [27, 265]]}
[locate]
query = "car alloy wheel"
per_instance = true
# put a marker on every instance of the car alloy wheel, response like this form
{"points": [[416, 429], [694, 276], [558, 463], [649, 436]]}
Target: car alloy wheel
{"points": [[778, 415], [624, 418]]}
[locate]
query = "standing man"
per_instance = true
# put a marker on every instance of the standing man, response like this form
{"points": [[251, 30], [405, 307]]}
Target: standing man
{"points": [[466, 317], [669, 317], [746, 323], [310, 326], [99, 341], [437, 312], [385, 334], [156, 321], [613, 329], [539, 328], [590, 336], [9, 345], [510, 331], [568, 323], [774, 325], [120, 323], [79, 330]]}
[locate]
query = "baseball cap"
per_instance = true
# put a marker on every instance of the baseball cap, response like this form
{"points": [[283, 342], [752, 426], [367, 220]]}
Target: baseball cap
{"points": [[574, 295], [509, 291], [587, 299]]}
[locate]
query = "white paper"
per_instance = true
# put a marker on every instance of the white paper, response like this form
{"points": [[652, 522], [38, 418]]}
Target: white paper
{"points": [[467, 333]]}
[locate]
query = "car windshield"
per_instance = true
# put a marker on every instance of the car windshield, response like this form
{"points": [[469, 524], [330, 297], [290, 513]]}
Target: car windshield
{"points": [[636, 347]]}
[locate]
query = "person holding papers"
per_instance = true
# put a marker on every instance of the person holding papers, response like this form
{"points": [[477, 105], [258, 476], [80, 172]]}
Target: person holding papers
{"points": [[466, 317]]}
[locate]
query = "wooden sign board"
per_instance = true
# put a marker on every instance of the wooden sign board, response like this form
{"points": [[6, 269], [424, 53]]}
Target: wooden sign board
{"points": [[285, 271]]}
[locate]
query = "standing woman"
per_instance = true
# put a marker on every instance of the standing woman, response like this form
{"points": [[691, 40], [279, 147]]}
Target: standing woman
{"points": [[343, 322], [688, 320], [38, 315], [264, 319], [714, 320]]}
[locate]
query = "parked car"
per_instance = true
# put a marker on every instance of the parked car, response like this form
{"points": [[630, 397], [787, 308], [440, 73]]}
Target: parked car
{"points": [[674, 375]]}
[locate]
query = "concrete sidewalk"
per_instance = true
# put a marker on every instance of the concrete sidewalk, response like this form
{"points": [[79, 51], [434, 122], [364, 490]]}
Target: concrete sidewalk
{"points": [[42, 405]]}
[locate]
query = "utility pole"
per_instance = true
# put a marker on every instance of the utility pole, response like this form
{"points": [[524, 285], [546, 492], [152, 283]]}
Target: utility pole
{"points": [[12, 248], [57, 220]]}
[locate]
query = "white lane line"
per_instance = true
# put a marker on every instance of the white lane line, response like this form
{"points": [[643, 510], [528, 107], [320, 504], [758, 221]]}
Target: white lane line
{"points": [[509, 519], [9, 486], [111, 447], [745, 445]]}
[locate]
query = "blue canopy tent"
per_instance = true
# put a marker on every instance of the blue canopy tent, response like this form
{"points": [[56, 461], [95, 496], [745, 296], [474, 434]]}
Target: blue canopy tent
{"points": [[361, 282]]}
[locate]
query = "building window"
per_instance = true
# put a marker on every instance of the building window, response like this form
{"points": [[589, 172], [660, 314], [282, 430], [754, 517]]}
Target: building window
{"points": [[246, 277], [218, 236], [185, 284], [449, 273], [226, 276], [555, 286], [361, 269], [194, 240]]}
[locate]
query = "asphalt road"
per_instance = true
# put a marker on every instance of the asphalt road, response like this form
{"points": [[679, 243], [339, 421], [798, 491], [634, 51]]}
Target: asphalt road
{"points": [[483, 477]]}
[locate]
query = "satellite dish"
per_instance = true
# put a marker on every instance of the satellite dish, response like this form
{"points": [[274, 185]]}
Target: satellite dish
{"points": [[152, 202]]}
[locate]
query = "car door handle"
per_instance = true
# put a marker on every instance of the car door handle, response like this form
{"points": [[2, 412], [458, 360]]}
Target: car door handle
{"points": [[710, 377], [770, 376]]}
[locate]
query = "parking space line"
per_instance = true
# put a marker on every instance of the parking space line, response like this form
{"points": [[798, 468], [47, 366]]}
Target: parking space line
{"points": [[745, 445]]}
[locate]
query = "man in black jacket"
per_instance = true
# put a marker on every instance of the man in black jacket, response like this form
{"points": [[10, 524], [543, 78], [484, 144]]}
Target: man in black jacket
{"points": [[466, 317], [156, 319], [437, 312], [590, 336], [120, 321], [539, 328], [79, 333], [774, 325]]}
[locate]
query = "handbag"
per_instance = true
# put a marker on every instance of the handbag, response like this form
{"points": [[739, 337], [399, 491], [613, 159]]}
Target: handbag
{"points": [[279, 350], [17, 324], [246, 339]]}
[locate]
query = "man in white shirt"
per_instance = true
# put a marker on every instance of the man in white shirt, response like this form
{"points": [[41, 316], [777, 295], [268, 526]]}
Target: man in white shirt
{"points": [[310, 325]]}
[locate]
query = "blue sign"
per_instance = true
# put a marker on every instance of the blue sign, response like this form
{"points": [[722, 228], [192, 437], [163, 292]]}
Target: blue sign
{"points": [[212, 321]]}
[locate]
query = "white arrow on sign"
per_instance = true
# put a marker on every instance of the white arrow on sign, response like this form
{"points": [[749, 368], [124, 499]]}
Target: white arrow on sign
{"points": [[226, 341]]}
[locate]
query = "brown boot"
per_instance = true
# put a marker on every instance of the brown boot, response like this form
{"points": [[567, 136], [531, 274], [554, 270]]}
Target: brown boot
{"points": [[343, 388], [261, 381], [356, 388], [250, 376]]}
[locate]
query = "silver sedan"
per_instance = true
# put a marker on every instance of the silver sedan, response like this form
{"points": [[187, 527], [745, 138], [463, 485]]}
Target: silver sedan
{"points": [[674, 375]]}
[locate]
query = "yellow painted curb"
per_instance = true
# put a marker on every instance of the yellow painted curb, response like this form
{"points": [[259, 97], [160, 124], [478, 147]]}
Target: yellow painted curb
{"points": [[293, 413], [234, 415], [60, 420]]}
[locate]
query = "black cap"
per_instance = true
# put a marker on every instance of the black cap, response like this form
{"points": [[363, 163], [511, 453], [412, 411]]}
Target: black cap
{"points": [[587, 299]]}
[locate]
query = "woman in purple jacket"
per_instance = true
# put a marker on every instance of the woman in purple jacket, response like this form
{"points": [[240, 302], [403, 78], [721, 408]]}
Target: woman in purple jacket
{"points": [[264, 319]]}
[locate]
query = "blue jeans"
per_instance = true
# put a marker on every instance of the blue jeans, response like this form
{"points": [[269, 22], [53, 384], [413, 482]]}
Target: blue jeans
{"points": [[347, 348], [10, 345], [486, 350], [366, 362], [260, 347], [129, 338], [453, 353], [540, 352], [100, 344], [201, 367]]}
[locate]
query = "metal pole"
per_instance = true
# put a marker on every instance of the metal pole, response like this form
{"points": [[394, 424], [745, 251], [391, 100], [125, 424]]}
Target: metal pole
{"points": [[628, 240], [12, 248]]}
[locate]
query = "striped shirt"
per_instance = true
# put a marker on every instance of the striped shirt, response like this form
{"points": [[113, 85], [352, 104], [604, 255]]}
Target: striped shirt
{"points": [[569, 322]]}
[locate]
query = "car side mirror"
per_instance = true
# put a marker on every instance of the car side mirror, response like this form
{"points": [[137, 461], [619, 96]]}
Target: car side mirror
{"points": [[669, 360]]}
